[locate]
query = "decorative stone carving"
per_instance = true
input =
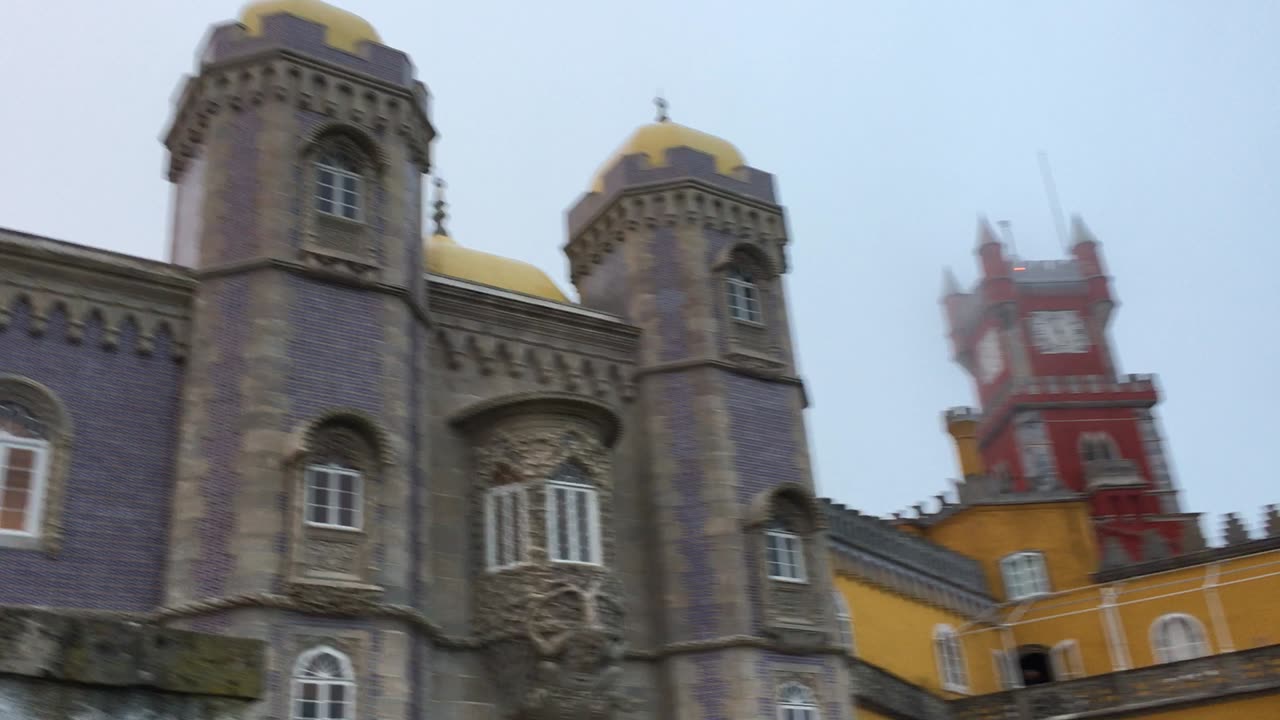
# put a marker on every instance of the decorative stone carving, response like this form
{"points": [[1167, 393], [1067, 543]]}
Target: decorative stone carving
{"points": [[334, 557], [551, 632]]}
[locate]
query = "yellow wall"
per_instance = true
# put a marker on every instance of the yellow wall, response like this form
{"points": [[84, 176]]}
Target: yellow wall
{"points": [[1060, 530], [865, 714], [895, 632]]}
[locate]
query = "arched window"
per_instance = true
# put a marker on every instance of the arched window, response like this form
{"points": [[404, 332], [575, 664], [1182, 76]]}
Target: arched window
{"points": [[950, 657], [1178, 637], [24, 462], [506, 520], [1097, 446], [324, 686], [573, 517], [342, 454], [743, 296], [338, 183], [844, 620], [797, 702], [1024, 575], [785, 556]]}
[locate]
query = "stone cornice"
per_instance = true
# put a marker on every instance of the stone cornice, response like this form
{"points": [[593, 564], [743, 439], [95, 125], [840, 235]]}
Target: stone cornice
{"points": [[298, 80], [772, 373], [88, 284], [683, 201]]}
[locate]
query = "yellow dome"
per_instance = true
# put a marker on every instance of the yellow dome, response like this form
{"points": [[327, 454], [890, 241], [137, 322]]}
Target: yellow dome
{"points": [[446, 257], [345, 30], [656, 138]]}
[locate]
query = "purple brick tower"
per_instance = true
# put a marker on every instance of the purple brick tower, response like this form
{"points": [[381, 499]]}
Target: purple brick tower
{"points": [[684, 241], [297, 153]]}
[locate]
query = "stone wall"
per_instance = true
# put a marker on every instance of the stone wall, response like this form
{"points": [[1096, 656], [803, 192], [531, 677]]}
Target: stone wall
{"points": [[62, 666]]}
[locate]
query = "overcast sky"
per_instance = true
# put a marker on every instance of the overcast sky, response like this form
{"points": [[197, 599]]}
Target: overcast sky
{"points": [[890, 125]]}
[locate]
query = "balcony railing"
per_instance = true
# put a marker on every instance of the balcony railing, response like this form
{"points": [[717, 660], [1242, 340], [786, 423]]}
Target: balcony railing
{"points": [[1101, 474], [1120, 694]]}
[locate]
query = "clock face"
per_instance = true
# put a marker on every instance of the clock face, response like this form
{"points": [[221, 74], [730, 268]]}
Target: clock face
{"points": [[990, 359], [1059, 331]]}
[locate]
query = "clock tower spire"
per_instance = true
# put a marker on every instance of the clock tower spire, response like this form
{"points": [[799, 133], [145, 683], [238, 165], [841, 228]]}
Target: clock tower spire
{"points": [[1056, 415]]}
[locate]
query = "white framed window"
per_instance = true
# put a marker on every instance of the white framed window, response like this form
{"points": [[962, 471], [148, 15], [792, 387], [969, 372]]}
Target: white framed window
{"points": [[950, 657], [1024, 575], [1178, 636], [797, 702], [338, 185], [1067, 662], [785, 556], [506, 522], [744, 297], [324, 686], [844, 620], [334, 497], [1007, 670], [23, 463], [573, 523]]}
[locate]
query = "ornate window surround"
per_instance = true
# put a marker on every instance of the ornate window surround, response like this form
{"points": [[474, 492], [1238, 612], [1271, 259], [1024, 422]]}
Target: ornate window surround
{"points": [[797, 702], [1025, 575], [1166, 648], [844, 619], [949, 654], [331, 239], [332, 506], [1098, 446], [751, 338], [340, 681], [784, 556], [54, 454], [573, 495]]}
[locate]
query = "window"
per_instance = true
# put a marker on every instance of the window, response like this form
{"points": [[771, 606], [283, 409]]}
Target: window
{"points": [[1009, 674], [24, 453], [1035, 665], [797, 702], [334, 497], [338, 185], [844, 620], [1067, 661], [573, 525], [506, 518], [324, 686], [1097, 446], [1178, 637], [1024, 575], [785, 556], [744, 297], [951, 671]]}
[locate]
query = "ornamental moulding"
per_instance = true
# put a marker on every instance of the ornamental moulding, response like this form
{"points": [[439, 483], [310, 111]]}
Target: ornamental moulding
{"points": [[550, 402], [584, 376], [282, 76], [687, 203], [82, 311]]}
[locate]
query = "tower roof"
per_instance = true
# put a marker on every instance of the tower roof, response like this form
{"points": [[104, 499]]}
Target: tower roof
{"points": [[656, 138], [446, 257], [343, 30]]}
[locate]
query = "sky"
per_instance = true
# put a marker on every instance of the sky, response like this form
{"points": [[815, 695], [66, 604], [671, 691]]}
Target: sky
{"points": [[891, 125]]}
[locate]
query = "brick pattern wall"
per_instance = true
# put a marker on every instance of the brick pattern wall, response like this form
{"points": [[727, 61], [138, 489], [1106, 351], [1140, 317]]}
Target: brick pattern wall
{"points": [[123, 408]]}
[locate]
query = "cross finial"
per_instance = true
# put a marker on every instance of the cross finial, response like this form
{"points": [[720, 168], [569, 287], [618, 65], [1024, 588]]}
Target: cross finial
{"points": [[661, 103], [440, 215]]}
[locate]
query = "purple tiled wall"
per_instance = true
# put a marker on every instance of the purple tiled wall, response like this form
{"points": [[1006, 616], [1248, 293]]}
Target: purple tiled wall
{"points": [[335, 350], [124, 411]]}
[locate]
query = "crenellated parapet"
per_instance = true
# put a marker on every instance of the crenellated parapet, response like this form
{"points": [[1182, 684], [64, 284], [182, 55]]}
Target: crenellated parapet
{"points": [[1236, 538], [97, 293], [289, 64]]}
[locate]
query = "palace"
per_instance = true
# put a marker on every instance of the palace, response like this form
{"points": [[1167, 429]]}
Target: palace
{"points": [[323, 464]]}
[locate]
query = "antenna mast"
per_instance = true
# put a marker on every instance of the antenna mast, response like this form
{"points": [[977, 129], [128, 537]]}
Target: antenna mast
{"points": [[1055, 208]]}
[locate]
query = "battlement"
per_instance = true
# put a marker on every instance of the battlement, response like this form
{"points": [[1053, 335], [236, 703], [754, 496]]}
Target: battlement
{"points": [[962, 413], [1237, 540], [1131, 390], [879, 537], [1046, 271]]}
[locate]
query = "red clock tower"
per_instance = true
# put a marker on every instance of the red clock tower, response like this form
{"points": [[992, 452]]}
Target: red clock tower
{"points": [[1056, 414]]}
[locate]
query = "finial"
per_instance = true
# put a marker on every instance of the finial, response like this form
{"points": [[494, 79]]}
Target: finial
{"points": [[440, 215], [661, 103]]}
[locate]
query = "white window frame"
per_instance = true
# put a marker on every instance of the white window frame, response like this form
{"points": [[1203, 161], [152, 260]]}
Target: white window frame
{"points": [[1092, 442], [518, 537], [744, 298], [554, 552], [1008, 670], [1025, 575], [780, 543], [844, 619], [1165, 652], [952, 673], [326, 163], [36, 488], [1066, 660], [797, 702], [332, 509], [346, 679]]}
